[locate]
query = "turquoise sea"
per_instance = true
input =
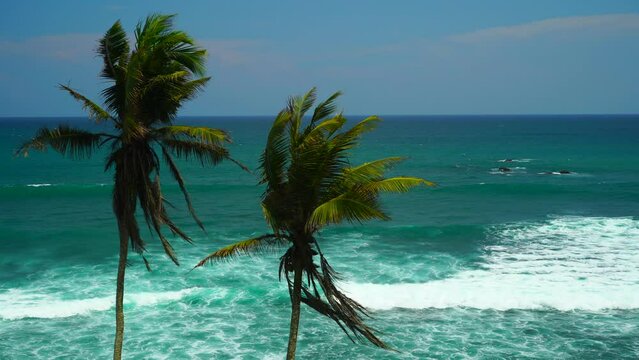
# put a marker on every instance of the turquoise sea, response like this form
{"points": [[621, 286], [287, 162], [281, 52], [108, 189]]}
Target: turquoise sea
{"points": [[491, 264]]}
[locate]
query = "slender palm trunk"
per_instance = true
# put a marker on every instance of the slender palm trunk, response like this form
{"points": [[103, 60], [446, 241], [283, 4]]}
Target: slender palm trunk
{"points": [[119, 295], [295, 313]]}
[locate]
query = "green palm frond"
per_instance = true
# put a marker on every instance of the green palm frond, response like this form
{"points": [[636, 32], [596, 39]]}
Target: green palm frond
{"points": [[191, 88], [256, 244], [270, 219], [345, 207], [396, 184], [205, 135], [345, 141], [297, 107], [364, 126], [326, 108], [165, 70], [157, 35], [188, 55], [371, 170], [175, 172], [162, 103], [114, 50], [167, 80], [96, 113], [276, 155], [327, 127], [68, 141], [207, 154]]}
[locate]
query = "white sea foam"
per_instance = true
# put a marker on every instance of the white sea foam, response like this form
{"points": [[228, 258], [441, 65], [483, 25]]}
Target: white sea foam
{"points": [[516, 160], [565, 263], [508, 170], [47, 185], [19, 304]]}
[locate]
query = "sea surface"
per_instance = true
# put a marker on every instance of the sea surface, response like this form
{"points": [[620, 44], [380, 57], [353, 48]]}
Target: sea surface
{"points": [[491, 264]]}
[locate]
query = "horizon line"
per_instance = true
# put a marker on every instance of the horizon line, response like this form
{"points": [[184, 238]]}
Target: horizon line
{"points": [[380, 115]]}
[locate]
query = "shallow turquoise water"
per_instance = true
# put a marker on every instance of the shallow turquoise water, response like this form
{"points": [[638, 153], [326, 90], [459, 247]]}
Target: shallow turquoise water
{"points": [[488, 265]]}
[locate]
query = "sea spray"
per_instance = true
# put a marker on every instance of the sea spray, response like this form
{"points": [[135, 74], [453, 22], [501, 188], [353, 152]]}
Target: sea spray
{"points": [[565, 263]]}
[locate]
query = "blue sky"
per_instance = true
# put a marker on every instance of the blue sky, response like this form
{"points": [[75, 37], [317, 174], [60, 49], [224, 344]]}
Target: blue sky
{"points": [[389, 57]]}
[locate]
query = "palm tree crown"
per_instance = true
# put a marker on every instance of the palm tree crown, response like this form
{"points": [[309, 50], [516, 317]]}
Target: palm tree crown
{"points": [[309, 185], [146, 87]]}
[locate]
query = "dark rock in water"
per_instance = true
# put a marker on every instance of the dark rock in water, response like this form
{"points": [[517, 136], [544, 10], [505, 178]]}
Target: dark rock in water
{"points": [[565, 172], [505, 169], [508, 160]]}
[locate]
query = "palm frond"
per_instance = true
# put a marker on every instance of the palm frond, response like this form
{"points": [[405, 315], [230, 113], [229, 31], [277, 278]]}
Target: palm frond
{"points": [[346, 312], [114, 49], [270, 219], [175, 172], [328, 127], [206, 153], [276, 156], [371, 170], [343, 142], [96, 113], [344, 207], [201, 134], [253, 245], [297, 107], [325, 108], [157, 36], [68, 141], [167, 80], [398, 184], [366, 125]]}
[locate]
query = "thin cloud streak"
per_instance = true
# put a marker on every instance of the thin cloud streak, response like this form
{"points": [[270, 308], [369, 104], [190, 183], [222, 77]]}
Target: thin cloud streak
{"points": [[232, 52], [605, 23], [67, 47]]}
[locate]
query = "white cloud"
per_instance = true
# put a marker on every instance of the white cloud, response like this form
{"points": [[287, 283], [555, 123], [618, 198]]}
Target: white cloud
{"points": [[67, 47], [610, 22]]}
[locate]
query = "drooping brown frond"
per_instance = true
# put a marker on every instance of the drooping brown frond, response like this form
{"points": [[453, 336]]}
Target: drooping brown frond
{"points": [[346, 312]]}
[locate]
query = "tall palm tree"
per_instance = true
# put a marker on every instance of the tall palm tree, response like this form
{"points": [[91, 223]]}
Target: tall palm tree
{"points": [[145, 88], [309, 185]]}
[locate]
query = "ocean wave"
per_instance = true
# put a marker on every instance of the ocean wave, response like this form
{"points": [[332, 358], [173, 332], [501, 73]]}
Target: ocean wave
{"points": [[508, 170], [516, 160], [565, 263], [17, 304], [39, 185]]}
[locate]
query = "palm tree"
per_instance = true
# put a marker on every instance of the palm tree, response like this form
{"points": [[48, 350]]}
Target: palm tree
{"points": [[309, 185], [145, 89]]}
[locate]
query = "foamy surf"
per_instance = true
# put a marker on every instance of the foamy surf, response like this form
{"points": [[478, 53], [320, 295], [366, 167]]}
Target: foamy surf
{"points": [[565, 263], [16, 304], [515, 160]]}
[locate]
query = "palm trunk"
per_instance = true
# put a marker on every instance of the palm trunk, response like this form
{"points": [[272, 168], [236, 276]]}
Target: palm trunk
{"points": [[119, 295], [296, 297]]}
